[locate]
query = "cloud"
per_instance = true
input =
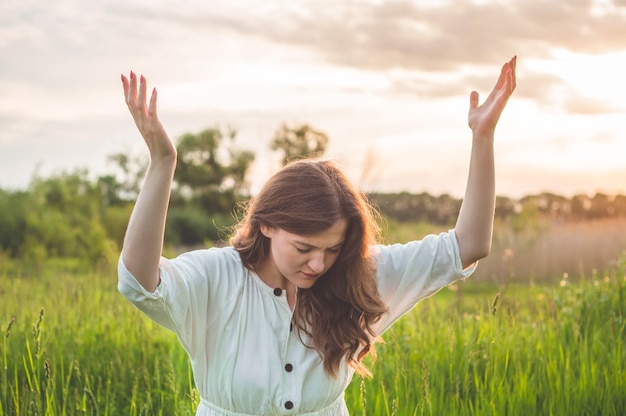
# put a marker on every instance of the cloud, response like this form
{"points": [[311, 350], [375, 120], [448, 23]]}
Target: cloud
{"points": [[377, 35], [539, 86], [416, 35], [380, 36], [413, 36], [388, 34], [577, 104]]}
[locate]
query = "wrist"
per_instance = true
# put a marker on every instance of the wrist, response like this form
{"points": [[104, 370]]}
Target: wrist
{"points": [[483, 136], [165, 163]]}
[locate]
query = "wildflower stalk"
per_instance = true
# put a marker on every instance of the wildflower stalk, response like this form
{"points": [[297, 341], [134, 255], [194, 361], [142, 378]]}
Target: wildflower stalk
{"points": [[37, 333], [494, 304], [5, 342], [5, 361]]}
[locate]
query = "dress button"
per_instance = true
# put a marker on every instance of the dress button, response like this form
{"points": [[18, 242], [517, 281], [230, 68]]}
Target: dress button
{"points": [[278, 291], [288, 368], [288, 405], [290, 327]]}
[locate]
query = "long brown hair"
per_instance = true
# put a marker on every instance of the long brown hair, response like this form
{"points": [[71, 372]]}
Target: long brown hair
{"points": [[339, 310]]}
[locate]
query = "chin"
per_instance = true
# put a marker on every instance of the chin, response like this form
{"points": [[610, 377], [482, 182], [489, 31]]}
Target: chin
{"points": [[306, 284]]}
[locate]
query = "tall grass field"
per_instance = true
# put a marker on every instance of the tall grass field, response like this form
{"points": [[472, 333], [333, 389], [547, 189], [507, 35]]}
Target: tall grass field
{"points": [[71, 345]]}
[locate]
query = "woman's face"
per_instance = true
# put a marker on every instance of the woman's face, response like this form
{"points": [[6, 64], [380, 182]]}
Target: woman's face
{"points": [[301, 259]]}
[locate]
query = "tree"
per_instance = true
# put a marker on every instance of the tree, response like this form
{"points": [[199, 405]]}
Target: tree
{"points": [[211, 173], [619, 205], [125, 185], [298, 142], [13, 209], [64, 220], [600, 206], [580, 206]]}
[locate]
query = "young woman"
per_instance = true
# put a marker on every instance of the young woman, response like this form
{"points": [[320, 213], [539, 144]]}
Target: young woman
{"points": [[279, 321]]}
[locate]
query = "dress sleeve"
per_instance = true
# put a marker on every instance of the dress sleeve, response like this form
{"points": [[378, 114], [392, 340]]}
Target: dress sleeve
{"points": [[408, 273], [180, 302]]}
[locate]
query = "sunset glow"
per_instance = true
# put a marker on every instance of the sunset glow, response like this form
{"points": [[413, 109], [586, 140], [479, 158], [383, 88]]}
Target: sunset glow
{"points": [[387, 81]]}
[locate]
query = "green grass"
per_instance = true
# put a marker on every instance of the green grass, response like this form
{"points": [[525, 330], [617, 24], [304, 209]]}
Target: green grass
{"points": [[75, 346], [71, 345], [530, 351]]}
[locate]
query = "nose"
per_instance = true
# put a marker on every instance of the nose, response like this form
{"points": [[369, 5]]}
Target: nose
{"points": [[316, 263]]}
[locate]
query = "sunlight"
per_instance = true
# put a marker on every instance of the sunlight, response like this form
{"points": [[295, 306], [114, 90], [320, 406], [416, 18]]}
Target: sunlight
{"points": [[597, 76], [604, 7]]}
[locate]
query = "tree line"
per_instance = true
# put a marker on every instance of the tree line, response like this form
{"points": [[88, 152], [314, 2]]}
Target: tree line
{"points": [[70, 215], [443, 209]]}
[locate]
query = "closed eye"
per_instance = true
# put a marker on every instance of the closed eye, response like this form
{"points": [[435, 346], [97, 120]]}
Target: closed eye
{"points": [[307, 249]]}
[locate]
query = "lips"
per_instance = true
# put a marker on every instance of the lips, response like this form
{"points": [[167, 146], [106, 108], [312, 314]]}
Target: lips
{"points": [[309, 275]]}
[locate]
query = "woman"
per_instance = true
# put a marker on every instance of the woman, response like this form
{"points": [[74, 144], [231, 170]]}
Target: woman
{"points": [[279, 321]]}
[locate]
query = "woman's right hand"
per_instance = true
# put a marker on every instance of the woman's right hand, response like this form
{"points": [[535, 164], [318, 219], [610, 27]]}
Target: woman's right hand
{"points": [[143, 242], [145, 115]]}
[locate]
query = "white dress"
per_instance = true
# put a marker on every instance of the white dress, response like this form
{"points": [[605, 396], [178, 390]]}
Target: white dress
{"points": [[236, 329]]}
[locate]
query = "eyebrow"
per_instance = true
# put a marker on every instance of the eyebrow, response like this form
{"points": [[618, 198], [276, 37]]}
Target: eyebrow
{"points": [[312, 246]]}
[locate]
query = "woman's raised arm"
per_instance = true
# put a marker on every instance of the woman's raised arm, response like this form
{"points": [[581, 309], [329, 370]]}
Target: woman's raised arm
{"points": [[143, 242], [474, 226]]}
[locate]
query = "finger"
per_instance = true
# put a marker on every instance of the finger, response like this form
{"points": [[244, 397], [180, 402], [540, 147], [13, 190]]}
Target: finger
{"points": [[131, 97], [125, 86], [506, 81], [513, 72], [152, 110], [141, 97], [473, 100], [503, 76], [499, 83]]}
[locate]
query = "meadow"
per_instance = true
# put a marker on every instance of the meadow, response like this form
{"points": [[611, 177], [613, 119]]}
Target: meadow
{"points": [[536, 341]]}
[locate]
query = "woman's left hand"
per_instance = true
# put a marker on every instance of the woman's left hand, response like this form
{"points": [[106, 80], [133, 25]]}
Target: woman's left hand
{"points": [[482, 119]]}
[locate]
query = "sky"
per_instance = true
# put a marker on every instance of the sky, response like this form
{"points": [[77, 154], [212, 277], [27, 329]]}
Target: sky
{"points": [[387, 81]]}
